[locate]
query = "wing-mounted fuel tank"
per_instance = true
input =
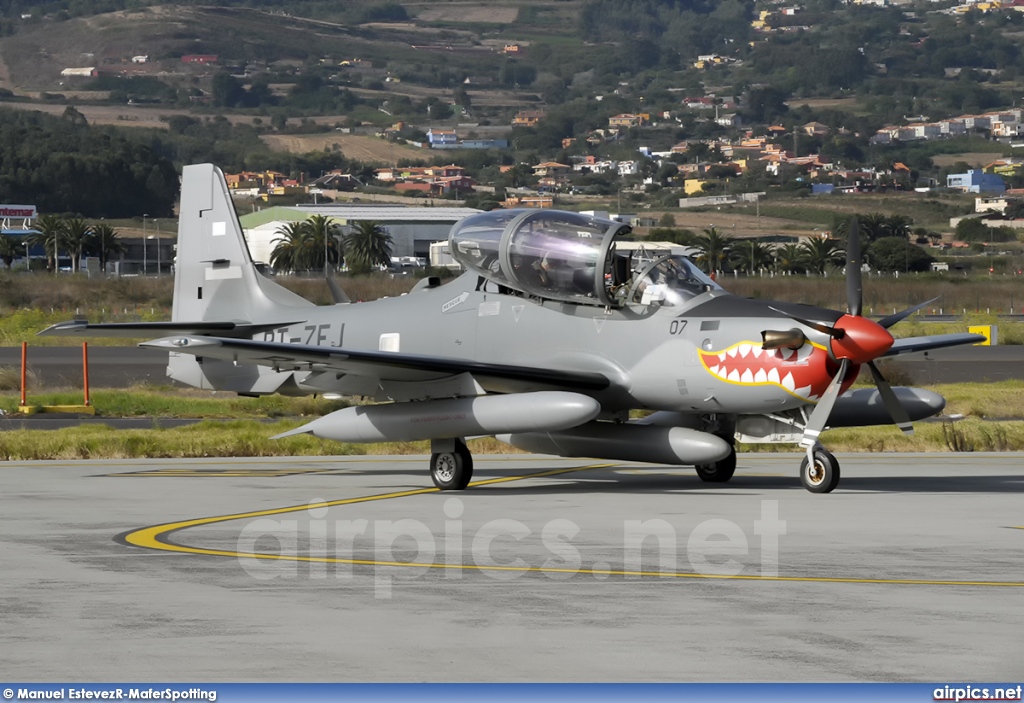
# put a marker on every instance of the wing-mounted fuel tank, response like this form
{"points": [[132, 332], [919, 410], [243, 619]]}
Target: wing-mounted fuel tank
{"points": [[677, 446], [457, 417]]}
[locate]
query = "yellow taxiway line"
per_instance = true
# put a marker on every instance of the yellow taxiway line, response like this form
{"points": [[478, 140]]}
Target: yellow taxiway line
{"points": [[157, 537]]}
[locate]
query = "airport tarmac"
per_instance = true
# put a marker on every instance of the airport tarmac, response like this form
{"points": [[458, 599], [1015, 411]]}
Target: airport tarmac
{"points": [[256, 569]]}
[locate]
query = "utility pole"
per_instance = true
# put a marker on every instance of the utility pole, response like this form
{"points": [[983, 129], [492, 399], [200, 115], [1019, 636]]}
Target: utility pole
{"points": [[144, 257]]}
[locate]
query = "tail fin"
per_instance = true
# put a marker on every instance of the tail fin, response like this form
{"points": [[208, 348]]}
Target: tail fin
{"points": [[215, 279]]}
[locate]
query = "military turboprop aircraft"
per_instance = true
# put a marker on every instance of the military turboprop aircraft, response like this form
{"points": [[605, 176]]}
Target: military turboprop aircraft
{"points": [[549, 339]]}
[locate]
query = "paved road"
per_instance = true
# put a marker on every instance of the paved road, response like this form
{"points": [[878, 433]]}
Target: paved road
{"points": [[109, 367], [120, 367], [911, 570]]}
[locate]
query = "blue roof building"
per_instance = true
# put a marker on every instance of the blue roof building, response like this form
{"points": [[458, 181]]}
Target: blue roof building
{"points": [[976, 181]]}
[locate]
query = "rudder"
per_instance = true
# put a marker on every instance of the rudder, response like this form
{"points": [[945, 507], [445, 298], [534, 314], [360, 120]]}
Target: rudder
{"points": [[215, 279]]}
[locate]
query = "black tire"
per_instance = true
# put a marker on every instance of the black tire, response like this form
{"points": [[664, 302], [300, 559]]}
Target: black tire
{"points": [[719, 472], [823, 476], [452, 471]]}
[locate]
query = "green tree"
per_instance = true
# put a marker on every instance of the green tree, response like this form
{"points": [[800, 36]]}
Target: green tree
{"points": [[894, 254], [972, 229], [48, 232], [366, 246], [290, 247], [74, 239], [898, 226], [790, 258], [750, 256], [104, 243], [10, 249], [712, 250], [322, 242], [822, 254]]}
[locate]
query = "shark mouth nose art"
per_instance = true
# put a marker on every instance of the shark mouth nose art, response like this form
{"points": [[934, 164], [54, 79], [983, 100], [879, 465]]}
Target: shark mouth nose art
{"points": [[801, 372]]}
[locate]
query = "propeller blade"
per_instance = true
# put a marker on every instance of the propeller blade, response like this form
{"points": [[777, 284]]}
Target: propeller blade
{"points": [[819, 418], [891, 320], [337, 293], [854, 282], [896, 410], [824, 329]]}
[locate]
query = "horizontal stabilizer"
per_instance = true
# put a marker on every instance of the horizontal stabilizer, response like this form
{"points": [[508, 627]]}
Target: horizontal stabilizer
{"points": [[148, 329], [932, 341]]}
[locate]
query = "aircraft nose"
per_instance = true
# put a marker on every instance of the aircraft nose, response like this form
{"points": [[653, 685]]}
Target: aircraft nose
{"points": [[862, 340]]}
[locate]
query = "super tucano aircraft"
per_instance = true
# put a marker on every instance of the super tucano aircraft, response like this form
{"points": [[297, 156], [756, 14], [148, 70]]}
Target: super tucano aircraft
{"points": [[548, 341]]}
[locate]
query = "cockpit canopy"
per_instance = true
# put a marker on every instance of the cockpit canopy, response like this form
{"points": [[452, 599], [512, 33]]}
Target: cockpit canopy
{"points": [[573, 258]]}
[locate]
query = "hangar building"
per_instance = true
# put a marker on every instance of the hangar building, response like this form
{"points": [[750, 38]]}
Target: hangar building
{"points": [[412, 228]]}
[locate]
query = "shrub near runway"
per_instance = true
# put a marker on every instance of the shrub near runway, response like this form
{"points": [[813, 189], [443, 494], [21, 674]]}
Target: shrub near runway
{"points": [[250, 438], [235, 438]]}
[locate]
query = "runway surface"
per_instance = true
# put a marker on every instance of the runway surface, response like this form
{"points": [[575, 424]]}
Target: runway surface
{"points": [[121, 367], [354, 568]]}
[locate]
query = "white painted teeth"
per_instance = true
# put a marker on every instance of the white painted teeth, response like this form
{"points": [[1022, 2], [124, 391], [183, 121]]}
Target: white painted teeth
{"points": [[732, 352], [757, 351], [744, 350], [714, 369], [773, 375], [734, 375], [721, 357], [792, 355], [804, 352], [804, 392], [760, 376], [747, 377], [788, 382]]}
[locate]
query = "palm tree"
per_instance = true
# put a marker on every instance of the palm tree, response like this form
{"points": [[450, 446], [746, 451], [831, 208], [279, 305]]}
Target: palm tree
{"points": [[74, 239], [49, 230], [872, 227], [290, 248], [822, 253], [366, 246], [751, 256], [10, 249], [789, 258], [713, 250], [898, 226], [323, 237], [104, 242]]}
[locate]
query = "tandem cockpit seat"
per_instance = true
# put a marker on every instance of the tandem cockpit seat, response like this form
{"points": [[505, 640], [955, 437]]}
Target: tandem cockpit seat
{"points": [[571, 257]]}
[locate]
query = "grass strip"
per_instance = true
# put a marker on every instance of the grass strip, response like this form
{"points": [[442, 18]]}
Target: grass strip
{"points": [[249, 438]]}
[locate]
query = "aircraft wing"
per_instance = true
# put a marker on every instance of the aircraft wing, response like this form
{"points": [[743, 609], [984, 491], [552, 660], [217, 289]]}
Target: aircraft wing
{"points": [[376, 364], [933, 341], [148, 329]]}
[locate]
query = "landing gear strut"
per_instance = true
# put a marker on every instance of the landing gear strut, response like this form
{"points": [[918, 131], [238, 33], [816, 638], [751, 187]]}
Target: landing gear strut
{"points": [[451, 464], [719, 472], [819, 471]]}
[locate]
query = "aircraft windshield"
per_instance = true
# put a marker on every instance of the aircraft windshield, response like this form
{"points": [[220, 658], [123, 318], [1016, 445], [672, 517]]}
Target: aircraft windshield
{"points": [[669, 280], [571, 257]]}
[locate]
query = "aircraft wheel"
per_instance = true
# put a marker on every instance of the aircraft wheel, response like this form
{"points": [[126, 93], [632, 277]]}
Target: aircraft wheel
{"points": [[823, 475], [452, 471], [719, 472]]}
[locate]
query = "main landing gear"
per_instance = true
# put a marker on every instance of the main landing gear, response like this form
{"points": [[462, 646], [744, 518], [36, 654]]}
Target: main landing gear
{"points": [[451, 464], [719, 472], [819, 471]]}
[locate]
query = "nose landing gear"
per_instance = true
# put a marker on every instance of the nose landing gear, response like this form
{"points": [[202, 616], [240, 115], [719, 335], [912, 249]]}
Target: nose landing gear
{"points": [[819, 471]]}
